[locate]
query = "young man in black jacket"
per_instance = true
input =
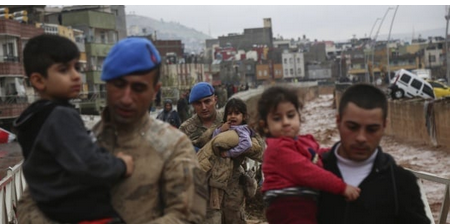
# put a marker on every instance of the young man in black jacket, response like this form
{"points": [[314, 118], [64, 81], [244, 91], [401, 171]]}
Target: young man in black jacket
{"points": [[389, 193]]}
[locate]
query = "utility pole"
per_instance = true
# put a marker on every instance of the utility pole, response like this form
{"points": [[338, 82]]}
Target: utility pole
{"points": [[447, 48], [388, 39], [367, 74], [374, 44]]}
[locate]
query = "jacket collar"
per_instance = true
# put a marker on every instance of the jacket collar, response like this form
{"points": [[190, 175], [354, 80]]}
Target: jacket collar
{"points": [[382, 161]]}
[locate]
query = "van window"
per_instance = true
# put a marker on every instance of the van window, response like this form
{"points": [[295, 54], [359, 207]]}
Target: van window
{"points": [[416, 84], [428, 91], [405, 78]]}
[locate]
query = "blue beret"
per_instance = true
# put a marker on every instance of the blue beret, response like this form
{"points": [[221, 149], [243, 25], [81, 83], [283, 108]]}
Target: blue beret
{"points": [[128, 56], [200, 91]]}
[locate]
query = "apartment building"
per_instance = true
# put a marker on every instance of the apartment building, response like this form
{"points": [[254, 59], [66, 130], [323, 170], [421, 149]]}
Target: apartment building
{"points": [[14, 87]]}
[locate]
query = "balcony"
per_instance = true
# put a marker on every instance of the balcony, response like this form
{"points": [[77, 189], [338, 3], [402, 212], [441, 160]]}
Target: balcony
{"points": [[11, 68], [93, 19], [98, 50], [94, 77]]}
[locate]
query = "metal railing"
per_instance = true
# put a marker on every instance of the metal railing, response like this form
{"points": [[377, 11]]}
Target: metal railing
{"points": [[445, 209], [11, 188]]}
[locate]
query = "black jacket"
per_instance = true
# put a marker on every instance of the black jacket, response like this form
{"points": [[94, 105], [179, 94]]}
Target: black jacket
{"points": [[389, 194], [68, 175], [170, 117]]}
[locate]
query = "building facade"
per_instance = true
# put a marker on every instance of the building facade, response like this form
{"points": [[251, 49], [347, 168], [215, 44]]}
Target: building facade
{"points": [[15, 91]]}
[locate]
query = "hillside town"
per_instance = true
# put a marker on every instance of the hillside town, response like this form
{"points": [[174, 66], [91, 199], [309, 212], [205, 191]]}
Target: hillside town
{"points": [[242, 62], [232, 61]]}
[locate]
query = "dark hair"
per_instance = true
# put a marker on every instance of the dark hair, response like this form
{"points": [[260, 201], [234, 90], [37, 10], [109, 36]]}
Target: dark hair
{"points": [[44, 50], [235, 104], [364, 96], [270, 99]]}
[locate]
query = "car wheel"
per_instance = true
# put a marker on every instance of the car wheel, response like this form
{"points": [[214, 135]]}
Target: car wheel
{"points": [[399, 94]]}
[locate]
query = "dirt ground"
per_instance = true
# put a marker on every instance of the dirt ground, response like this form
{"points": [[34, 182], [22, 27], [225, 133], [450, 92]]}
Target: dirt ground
{"points": [[254, 209]]}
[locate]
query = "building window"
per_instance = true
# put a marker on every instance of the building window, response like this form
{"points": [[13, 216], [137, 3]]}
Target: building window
{"points": [[298, 60], [299, 71], [265, 73], [260, 73], [291, 61], [103, 40], [291, 72], [8, 49], [286, 71], [432, 58], [249, 67], [285, 61]]}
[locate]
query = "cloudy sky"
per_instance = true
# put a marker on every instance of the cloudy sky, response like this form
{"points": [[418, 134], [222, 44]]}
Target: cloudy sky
{"points": [[322, 22]]}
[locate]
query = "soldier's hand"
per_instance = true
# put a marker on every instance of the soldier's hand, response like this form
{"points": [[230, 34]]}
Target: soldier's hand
{"points": [[225, 126], [129, 161]]}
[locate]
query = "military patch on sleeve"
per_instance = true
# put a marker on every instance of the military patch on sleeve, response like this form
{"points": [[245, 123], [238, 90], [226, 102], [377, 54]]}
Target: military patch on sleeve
{"points": [[199, 180]]}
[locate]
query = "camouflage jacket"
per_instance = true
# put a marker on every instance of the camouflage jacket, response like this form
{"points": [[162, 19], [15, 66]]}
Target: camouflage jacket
{"points": [[167, 185], [198, 134]]}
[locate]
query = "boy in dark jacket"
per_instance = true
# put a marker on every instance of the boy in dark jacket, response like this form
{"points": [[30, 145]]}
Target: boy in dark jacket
{"points": [[68, 175], [389, 193]]}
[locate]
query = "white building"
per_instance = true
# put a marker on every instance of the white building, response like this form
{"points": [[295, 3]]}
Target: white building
{"points": [[293, 65]]}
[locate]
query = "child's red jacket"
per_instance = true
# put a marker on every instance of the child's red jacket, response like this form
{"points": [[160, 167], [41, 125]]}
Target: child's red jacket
{"points": [[288, 162]]}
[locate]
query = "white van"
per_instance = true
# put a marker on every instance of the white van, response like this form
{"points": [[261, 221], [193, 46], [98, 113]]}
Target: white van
{"points": [[409, 85], [422, 73]]}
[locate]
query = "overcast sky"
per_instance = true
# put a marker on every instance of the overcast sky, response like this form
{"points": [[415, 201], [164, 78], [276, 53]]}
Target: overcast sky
{"points": [[324, 22]]}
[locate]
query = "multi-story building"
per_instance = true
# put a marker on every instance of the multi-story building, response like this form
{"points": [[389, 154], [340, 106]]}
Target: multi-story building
{"points": [[171, 51], [250, 37], [293, 66], [15, 91], [263, 73]]}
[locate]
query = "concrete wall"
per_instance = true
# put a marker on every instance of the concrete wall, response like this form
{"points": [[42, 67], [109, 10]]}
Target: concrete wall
{"points": [[306, 92], [407, 120], [326, 90]]}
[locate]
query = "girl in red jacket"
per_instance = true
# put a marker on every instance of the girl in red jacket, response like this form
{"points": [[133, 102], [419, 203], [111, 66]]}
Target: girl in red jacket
{"points": [[292, 169]]}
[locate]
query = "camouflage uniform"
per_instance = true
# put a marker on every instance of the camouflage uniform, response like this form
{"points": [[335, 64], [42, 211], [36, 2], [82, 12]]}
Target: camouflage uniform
{"points": [[232, 207], [198, 134], [167, 185]]}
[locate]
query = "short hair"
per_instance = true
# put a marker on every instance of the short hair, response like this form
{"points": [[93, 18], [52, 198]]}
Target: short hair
{"points": [[235, 104], [44, 50], [364, 96]]}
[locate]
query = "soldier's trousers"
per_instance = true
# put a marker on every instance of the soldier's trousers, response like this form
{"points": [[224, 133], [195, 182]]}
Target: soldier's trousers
{"points": [[233, 209]]}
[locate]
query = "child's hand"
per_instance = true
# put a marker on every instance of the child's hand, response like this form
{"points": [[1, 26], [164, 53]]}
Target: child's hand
{"points": [[225, 126], [351, 193], [129, 161], [224, 154]]}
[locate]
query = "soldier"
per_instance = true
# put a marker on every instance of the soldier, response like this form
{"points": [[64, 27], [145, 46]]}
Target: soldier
{"points": [[203, 100], [199, 128], [167, 185]]}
